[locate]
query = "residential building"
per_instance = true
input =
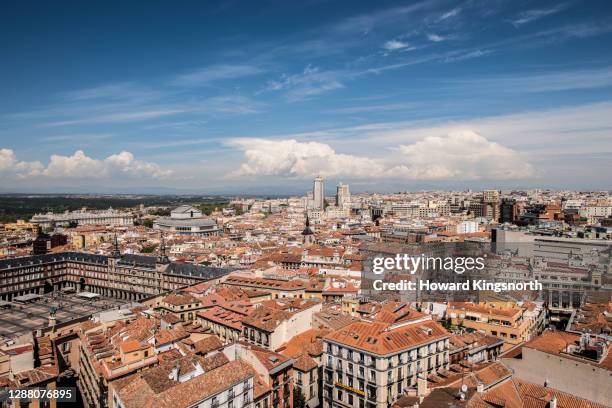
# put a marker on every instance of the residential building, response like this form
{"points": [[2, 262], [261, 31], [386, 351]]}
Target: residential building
{"points": [[371, 364]]}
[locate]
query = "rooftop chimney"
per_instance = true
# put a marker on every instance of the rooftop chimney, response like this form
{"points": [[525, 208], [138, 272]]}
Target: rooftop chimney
{"points": [[553, 402]]}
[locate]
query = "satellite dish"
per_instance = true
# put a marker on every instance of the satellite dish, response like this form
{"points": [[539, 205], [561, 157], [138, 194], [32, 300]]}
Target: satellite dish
{"points": [[464, 388]]}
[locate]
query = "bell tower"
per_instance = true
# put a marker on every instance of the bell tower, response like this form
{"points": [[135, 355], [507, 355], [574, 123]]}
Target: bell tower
{"points": [[307, 234]]}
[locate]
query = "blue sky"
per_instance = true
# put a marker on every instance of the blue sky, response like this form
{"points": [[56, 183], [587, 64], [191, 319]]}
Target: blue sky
{"points": [[258, 97]]}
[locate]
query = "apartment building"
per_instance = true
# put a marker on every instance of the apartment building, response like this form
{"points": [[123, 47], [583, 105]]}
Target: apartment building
{"points": [[129, 277], [274, 370], [370, 364], [278, 288], [189, 381], [580, 365], [225, 320], [507, 320], [306, 350], [276, 322], [184, 306]]}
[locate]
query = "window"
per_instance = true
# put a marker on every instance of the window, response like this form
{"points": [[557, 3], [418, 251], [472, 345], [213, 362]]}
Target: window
{"points": [[350, 399], [339, 395]]}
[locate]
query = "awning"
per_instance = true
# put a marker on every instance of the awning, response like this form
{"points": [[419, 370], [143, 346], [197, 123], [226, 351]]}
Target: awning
{"points": [[88, 295]]}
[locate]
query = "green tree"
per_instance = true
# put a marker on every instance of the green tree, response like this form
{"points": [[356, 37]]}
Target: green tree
{"points": [[299, 401]]}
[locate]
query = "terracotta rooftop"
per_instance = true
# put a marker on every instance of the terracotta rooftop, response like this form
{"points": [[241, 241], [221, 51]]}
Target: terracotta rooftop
{"points": [[381, 338], [154, 390]]}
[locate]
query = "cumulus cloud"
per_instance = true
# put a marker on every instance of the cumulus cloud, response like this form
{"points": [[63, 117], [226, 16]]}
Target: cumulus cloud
{"points": [[81, 166], [463, 155], [10, 165], [291, 158]]}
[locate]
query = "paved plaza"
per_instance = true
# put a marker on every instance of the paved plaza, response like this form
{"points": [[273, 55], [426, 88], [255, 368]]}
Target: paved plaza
{"points": [[17, 319]]}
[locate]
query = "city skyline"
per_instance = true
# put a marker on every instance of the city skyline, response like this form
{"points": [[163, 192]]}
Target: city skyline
{"points": [[231, 99]]}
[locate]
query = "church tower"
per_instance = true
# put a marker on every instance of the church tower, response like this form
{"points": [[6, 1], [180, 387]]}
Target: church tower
{"points": [[115, 253], [161, 257], [308, 235]]}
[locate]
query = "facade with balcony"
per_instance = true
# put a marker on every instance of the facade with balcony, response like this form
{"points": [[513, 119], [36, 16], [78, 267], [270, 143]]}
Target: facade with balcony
{"points": [[371, 364]]}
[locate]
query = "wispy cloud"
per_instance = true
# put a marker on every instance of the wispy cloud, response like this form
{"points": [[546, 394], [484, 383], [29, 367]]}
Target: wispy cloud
{"points": [[79, 137], [211, 74], [536, 14], [435, 37], [122, 92], [393, 45], [364, 23], [374, 108], [306, 84], [450, 14], [540, 82], [468, 55], [174, 143], [118, 117]]}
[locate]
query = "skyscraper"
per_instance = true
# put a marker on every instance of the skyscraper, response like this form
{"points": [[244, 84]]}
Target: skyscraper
{"points": [[318, 193], [343, 196]]}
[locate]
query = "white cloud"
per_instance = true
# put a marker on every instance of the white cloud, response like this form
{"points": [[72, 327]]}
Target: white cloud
{"points": [[450, 14], [461, 155], [532, 15], [435, 37], [291, 158], [10, 165], [125, 164], [119, 117], [544, 82], [467, 55], [81, 166], [312, 81], [393, 45], [78, 165], [217, 73]]}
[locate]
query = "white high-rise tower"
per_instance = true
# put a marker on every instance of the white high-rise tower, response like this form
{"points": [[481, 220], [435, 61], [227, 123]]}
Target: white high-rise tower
{"points": [[318, 192]]}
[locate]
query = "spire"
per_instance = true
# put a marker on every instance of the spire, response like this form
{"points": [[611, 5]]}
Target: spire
{"points": [[307, 233], [307, 230], [162, 258], [115, 253]]}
